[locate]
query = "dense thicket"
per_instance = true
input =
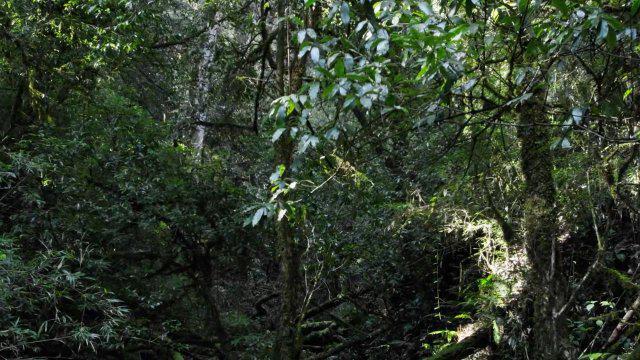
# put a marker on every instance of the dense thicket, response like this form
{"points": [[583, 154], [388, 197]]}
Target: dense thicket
{"points": [[319, 179]]}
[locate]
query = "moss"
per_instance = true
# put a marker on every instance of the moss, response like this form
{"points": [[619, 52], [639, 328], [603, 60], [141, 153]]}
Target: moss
{"points": [[480, 339], [622, 279]]}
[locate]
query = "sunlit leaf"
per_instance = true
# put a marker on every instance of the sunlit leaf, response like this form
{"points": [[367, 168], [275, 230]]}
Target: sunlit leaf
{"points": [[315, 54], [344, 13]]}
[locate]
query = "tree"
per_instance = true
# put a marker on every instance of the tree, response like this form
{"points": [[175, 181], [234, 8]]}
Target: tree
{"points": [[303, 180]]}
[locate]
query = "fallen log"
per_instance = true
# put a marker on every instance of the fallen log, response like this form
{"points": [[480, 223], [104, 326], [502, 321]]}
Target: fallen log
{"points": [[333, 303], [346, 345], [467, 346]]}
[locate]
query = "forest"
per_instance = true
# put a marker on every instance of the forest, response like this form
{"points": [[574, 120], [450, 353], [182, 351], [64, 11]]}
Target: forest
{"points": [[320, 179]]}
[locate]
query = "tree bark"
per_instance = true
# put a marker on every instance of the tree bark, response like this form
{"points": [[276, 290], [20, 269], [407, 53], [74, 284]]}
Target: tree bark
{"points": [[204, 87], [288, 344], [545, 282], [214, 327], [15, 109], [622, 325], [289, 341], [203, 279]]}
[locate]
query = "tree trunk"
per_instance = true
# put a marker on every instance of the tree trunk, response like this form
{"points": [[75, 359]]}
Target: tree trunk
{"points": [[287, 344], [541, 231], [289, 341], [214, 329], [16, 106], [204, 87]]}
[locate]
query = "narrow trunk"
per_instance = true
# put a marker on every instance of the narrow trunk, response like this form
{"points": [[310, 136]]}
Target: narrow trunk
{"points": [[214, 329], [204, 87], [12, 120], [287, 344], [541, 231]]}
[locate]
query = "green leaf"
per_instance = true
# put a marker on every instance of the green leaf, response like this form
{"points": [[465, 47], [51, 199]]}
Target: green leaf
{"points": [[329, 91], [313, 90], [523, 5], [383, 47], [277, 134], [361, 25], [348, 102], [425, 68], [577, 114], [366, 102], [590, 306], [382, 34], [303, 51], [595, 356], [306, 141], [497, 334], [344, 13], [281, 214], [315, 54], [635, 6], [604, 30], [520, 99], [291, 107], [312, 33], [339, 68], [276, 174], [612, 41], [332, 134], [257, 216], [560, 5], [425, 8], [348, 62], [281, 115]]}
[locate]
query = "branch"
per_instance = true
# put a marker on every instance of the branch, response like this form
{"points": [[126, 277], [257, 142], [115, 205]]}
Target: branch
{"points": [[623, 323], [260, 311], [182, 41], [575, 292], [224, 125]]}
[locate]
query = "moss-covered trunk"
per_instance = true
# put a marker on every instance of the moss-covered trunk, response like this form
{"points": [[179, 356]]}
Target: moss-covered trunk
{"points": [[541, 230], [290, 68], [288, 345]]}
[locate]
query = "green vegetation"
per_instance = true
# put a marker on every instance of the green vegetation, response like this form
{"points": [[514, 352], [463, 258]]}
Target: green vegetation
{"points": [[319, 179]]}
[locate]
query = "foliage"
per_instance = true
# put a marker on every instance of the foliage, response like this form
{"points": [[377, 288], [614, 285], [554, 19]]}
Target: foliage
{"points": [[365, 179]]}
